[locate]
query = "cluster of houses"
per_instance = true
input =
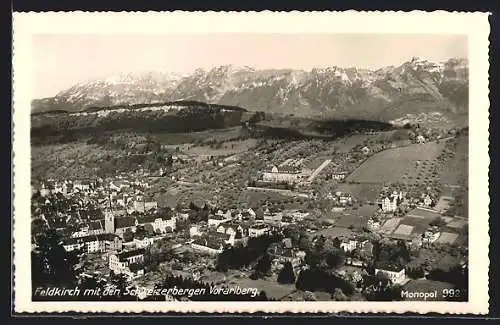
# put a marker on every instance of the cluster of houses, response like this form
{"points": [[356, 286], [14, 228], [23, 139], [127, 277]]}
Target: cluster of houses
{"points": [[390, 203], [108, 236], [130, 224], [108, 187], [226, 229], [283, 252], [340, 200], [66, 187], [105, 216]]}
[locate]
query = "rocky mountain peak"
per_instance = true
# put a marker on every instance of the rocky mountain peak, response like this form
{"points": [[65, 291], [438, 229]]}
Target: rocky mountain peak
{"points": [[331, 90]]}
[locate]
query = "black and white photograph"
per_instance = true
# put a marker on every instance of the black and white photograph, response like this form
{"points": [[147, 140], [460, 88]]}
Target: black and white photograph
{"points": [[250, 167]]}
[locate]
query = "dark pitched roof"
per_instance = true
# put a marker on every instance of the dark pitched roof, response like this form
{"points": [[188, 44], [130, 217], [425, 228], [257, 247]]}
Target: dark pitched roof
{"points": [[125, 222], [95, 225], [127, 254], [288, 169], [233, 224], [91, 238], [71, 241], [147, 219], [388, 266], [209, 242], [217, 217], [135, 267], [259, 226], [56, 222], [150, 218], [107, 237]]}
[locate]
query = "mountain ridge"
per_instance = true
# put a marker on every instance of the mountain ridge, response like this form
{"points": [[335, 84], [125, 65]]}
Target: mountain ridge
{"points": [[416, 85]]}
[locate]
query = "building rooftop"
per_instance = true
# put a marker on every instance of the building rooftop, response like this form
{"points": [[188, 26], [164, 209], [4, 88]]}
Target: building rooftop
{"points": [[388, 266], [95, 225], [259, 226], [128, 254], [125, 222]]}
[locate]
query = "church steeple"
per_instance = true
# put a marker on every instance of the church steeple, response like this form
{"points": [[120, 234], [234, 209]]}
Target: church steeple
{"points": [[109, 222]]}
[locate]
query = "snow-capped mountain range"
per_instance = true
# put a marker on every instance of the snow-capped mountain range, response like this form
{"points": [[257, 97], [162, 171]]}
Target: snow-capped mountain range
{"points": [[407, 88]]}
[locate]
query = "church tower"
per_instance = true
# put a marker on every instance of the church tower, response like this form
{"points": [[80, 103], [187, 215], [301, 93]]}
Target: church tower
{"points": [[109, 222]]}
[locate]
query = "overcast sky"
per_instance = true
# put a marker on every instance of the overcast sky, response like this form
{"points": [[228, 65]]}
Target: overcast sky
{"points": [[60, 61]]}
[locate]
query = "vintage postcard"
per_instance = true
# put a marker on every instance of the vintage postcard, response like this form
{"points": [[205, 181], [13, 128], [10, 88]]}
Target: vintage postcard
{"points": [[251, 162]]}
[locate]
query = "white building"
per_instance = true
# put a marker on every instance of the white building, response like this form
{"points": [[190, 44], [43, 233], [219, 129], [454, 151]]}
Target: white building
{"points": [[258, 230], [349, 245], [121, 263], [427, 201], [146, 241], [431, 235], [285, 174], [194, 231], [230, 228], [373, 224], [390, 203], [339, 176], [217, 219], [396, 274]]}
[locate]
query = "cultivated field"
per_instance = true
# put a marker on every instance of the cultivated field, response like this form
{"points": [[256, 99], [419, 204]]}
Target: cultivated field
{"points": [[352, 220], [437, 258], [225, 149], [457, 167], [76, 159], [391, 165], [253, 198], [346, 144], [190, 137], [363, 192], [335, 232]]}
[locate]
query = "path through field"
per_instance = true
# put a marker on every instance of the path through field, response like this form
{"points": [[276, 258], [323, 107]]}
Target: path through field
{"points": [[319, 169]]}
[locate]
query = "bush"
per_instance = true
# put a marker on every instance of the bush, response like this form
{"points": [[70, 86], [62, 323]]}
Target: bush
{"points": [[286, 275]]}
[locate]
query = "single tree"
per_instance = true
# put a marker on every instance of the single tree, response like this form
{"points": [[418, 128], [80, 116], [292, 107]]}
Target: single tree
{"points": [[286, 275]]}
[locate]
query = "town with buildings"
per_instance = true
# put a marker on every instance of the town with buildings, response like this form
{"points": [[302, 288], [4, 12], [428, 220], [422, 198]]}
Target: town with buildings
{"points": [[308, 230]]}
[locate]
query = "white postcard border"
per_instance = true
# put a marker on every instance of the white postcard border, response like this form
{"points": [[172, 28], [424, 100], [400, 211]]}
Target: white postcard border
{"points": [[475, 25]]}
